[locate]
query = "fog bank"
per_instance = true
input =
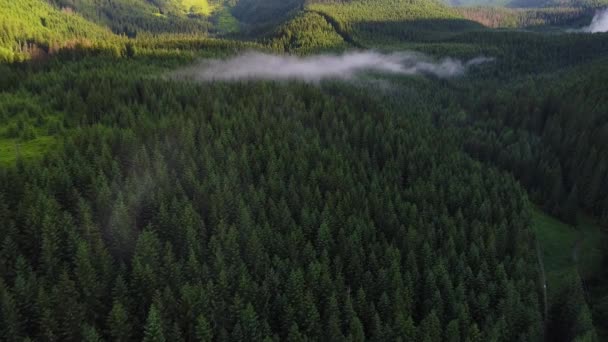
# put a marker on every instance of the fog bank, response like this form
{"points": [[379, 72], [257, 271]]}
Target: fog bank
{"points": [[261, 66], [599, 23]]}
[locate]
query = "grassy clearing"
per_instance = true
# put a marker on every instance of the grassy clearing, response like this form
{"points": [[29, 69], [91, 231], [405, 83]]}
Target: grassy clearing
{"points": [[201, 7], [11, 149], [566, 248]]}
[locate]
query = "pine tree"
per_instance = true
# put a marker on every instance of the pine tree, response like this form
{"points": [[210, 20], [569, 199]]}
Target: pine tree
{"points": [[51, 246], [89, 334], [332, 320], [68, 310], [87, 280], [10, 320], [250, 324], [404, 328], [294, 334], [452, 331], [153, 330], [356, 333], [48, 321], [118, 323], [474, 334], [430, 328], [121, 231], [204, 333], [25, 290]]}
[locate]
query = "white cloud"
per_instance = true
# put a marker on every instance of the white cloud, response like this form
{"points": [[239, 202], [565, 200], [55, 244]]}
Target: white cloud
{"points": [[261, 66]]}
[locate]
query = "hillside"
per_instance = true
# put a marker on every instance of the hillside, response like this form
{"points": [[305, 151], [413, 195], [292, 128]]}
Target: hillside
{"points": [[530, 3], [308, 31], [387, 21], [33, 26], [502, 17], [184, 16], [264, 12], [357, 11], [131, 17]]}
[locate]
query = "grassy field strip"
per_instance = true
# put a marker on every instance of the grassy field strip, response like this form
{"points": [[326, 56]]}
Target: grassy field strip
{"points": [[198, 7], [565, 247], [11, 149], [567, 250]]}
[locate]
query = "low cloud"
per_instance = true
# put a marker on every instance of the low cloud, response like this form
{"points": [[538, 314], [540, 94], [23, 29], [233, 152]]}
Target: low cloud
{"points": [[599, 23], [261, 66]]}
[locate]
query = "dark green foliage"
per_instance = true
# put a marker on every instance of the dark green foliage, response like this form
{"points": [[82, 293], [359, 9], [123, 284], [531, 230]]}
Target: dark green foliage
{"points": [[553, 137], [264, 12], [258, 210], [549, 132], [172, 211], [203, 330], [307, 32], [153, 331], [570, 316]]}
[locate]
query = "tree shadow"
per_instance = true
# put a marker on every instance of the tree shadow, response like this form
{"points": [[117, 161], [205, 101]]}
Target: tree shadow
{"points": [[422, 30]]}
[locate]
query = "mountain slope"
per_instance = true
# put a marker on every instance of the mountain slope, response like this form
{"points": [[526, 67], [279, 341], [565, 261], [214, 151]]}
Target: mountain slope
{"points": [[307, 32], [371, 23], [530, 3], [35, 24], [264, 11], [131, 17], [354, 11], [183, 16]]}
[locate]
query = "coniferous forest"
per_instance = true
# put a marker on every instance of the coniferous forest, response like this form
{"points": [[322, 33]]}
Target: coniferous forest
{"points": [[140, 205]]}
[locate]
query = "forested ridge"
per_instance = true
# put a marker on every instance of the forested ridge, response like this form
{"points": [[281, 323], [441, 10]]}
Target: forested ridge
{"points": [[526, 17], [137, 205], [26, 25]]}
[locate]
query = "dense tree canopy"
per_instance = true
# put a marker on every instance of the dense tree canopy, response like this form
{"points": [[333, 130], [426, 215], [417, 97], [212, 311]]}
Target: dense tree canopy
{"points": [[135, 205], [251, 211]]}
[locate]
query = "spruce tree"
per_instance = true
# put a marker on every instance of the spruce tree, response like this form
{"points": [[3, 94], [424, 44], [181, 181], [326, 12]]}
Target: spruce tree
{"points": [[153, 330]]}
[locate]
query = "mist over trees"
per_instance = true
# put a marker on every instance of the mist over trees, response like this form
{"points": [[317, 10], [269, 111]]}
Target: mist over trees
{"points": [[136, 205], [336, 236]]}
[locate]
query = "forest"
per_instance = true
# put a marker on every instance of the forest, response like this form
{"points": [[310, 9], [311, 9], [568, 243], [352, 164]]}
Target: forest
{"points": [[140, 205]]}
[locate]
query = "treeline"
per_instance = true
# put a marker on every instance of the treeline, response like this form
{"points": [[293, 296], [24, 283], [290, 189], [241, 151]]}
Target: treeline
{"points": [[497, 17], [352, 15], [183, 46], [255, 211]]}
